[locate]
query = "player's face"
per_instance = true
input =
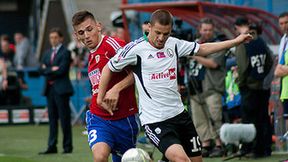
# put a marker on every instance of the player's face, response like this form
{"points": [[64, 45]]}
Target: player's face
{"points": [[283, 23], [159, 34], [55, 39], [88, 33], [206, 31], [253, 33], [243, 29]]}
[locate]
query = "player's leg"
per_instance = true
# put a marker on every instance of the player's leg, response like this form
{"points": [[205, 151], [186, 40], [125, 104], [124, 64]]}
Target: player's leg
{"points": [[164, 135], [189, 138], [127, 131], [176, 153], [100, 137], [101, 152]]}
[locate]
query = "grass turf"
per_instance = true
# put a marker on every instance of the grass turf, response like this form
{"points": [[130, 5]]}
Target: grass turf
{"points": [[23, 142]]}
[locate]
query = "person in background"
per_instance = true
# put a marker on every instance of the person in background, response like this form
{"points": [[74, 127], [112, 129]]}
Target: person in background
{"points": [[23, 56], [254, 63], [208, 117], [145, 28], [55, 67], [282, 66], [7, 51], [3, 80]]}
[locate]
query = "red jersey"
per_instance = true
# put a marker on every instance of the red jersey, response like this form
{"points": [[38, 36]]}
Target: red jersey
{"points": [[98, 58]]}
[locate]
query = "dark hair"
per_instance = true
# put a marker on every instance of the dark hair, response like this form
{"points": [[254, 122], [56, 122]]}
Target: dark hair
{"points": [[256, 27], [283, 14], [163, 17], [56, 30], [81, 16], [241, 21], [146, 22], [206, 21], [5, 37]]}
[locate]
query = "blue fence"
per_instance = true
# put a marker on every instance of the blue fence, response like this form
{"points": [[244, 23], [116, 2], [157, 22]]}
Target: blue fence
{"points": [[35, 83]]}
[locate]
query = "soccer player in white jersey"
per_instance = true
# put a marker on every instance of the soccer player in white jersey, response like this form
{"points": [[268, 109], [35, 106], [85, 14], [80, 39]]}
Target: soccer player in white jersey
{"points": [[154, 64]]}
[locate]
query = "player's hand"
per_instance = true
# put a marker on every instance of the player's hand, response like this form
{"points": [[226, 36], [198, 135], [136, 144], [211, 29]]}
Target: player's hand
{"points": [[244, 38], [105, 107], [43, 66], [111, 98]]}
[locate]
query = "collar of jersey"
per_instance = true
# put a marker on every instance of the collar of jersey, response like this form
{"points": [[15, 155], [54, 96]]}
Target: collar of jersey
{"points": [[95, 49]]}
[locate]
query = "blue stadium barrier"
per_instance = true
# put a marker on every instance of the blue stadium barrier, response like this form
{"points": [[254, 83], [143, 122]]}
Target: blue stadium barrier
{"points": [[35, 83]]}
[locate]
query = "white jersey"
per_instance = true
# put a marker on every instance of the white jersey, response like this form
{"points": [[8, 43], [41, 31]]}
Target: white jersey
{"points": [[155, 73]]}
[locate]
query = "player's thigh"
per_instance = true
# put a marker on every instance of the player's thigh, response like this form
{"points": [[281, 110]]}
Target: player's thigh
{"points": [[125, 134], [188, 135], [98, 131], [162, 135]]}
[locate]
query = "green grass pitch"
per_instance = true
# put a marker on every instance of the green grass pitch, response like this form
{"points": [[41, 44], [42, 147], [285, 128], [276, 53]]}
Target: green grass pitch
{"points": [[23, 142]]}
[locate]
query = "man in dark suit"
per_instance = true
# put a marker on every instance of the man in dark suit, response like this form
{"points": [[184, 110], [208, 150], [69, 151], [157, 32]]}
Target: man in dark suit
{"points": [[58, 89]]}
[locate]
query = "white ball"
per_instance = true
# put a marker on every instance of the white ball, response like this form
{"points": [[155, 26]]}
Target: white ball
{"points": [[135, 155]]}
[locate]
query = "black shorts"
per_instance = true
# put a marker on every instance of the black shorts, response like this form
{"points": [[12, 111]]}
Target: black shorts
{"points": [[177, 130]]}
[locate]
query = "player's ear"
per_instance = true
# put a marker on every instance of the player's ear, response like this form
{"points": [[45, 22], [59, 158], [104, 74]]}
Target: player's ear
{"points": [[74, 35], [99, 26]]}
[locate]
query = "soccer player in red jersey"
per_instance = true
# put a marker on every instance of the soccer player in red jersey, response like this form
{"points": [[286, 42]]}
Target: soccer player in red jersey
{"points": [[109, 131]]}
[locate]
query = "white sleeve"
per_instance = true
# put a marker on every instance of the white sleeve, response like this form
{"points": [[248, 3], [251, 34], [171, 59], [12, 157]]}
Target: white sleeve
{"points": [[186, 48], [125, 56]]}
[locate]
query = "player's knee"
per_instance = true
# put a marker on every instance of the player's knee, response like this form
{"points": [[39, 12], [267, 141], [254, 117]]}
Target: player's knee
{"points": [[179, 158], [100, 158]]}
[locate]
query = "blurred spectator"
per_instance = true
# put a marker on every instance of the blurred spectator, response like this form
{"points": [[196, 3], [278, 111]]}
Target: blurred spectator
{"points": [[13, 93], [283, 23], [120, 33], [24, 56], [254, 64], [3, 80], [208, 119], [145, 27], [79, 54], [7, 50], [282, 67]]}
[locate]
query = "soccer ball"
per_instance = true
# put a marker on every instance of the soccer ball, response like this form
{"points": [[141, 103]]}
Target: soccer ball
{"points": [[135, 155]]}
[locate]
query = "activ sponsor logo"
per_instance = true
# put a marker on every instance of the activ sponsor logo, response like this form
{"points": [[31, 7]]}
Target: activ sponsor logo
{"points": [[170, 74]]}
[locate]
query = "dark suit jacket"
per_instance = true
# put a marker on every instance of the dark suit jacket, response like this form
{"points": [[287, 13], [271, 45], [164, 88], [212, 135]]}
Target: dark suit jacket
{"points": [[60, 78]]}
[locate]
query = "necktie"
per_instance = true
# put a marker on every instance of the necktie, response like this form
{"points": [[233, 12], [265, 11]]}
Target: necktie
{"points": [[53, 56], [285, 44]]}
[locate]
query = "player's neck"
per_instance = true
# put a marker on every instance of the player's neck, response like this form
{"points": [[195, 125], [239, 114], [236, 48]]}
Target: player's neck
{"points": [[98, 44]]}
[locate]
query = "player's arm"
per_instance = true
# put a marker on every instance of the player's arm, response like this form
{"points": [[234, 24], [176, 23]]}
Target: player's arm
{"points": [[281, 70], [122, 59], [209, 48], [207, 62], [112, 96], [104, 81]]}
